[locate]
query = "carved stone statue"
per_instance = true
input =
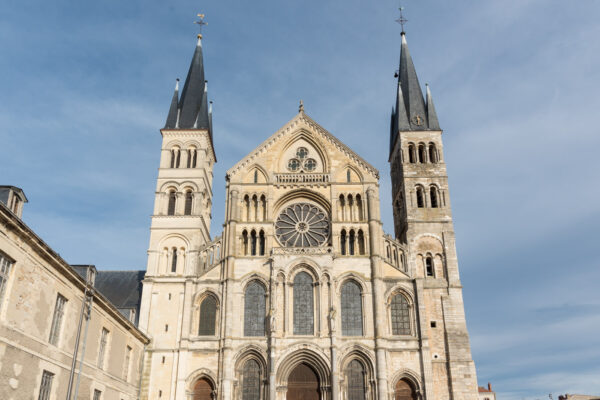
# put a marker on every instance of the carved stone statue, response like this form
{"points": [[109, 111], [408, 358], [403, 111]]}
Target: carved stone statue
{"points": [[272, 320], [332, 313]]}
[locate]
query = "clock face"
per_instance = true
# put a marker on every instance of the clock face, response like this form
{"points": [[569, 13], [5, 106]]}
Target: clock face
{"points": [[302, 225]]}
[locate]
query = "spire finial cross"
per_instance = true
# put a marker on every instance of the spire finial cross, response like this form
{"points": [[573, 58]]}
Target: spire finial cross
{"points": [[200, 24], [401, 20]]}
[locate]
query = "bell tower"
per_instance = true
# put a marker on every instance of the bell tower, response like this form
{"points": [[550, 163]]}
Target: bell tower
{"points": [[423, 220], [180, 228]]}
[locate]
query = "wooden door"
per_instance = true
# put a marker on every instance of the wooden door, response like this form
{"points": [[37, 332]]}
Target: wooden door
{"points": [[303, 384], [404, 391], [203, 390]]}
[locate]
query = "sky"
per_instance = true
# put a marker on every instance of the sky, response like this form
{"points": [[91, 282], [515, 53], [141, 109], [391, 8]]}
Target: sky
{"points": [[85, 88]]}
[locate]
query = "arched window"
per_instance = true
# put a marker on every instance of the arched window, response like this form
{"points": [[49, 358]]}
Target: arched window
{"points": [[400, 311], [303, 304], [389, 254], [359, 207], [348, 176], [174, 260], [361, 242], [433, 155], [355, 378], [351, 242], [350, 208], [352, 319], [251, 380], [245, 242], [208, 316], [246, 208], [254, 208], [172, 201], [194, 157], [422, 154], [253, 243], [412, 155], [433, 195], [395, 257], [342, 207], [429, 266], [263, 208], [188, 203], [255, 176], [420, 197], [343, 242], [189, 158], [261, 243], [254, 309], [175, 157]]}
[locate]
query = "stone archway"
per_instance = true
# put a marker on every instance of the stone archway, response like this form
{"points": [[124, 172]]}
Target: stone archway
{"points": [[303, 384], [203, 390], [305, 372], [404, 390]]}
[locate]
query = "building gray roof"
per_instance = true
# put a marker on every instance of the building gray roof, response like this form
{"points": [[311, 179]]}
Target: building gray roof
{"points": [[191, 110], [5, 191], [411, 112]]}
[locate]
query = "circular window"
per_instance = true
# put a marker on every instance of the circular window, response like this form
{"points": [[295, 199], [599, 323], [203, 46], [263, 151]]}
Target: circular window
{"points": [[294, 164], [310, 164], [302, 152], [302, 225]]}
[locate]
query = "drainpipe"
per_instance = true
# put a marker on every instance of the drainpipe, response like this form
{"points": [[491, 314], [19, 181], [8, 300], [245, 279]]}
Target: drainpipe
{"points": [[89, 299], [89, 278]]}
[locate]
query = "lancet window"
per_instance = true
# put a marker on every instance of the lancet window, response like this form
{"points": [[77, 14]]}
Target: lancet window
{"points": [[254, 309], [303, 304], [208, 316], [355, 380], [352, 318], [400, 315]]}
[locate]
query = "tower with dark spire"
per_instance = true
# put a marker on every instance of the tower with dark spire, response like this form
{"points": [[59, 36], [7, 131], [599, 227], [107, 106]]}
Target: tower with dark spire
{"points": [[423, 221], [180, 225]]}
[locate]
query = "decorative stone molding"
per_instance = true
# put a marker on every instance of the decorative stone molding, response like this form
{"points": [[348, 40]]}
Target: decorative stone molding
{"points": [[301, 250]]}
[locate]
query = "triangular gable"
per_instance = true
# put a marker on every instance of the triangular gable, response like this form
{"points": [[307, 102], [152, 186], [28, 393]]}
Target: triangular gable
{"points": [[302, 119]]}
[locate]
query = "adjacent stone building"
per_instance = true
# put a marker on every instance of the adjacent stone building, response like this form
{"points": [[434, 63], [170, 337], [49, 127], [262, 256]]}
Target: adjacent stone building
{"points": [[41, 300], [304, 296]]}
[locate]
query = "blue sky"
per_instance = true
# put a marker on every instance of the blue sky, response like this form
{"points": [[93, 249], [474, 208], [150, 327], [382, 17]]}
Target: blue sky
{"points": [[86, 86]]}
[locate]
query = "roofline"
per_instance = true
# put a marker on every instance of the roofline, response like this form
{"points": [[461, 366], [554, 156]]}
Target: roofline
{"points": [[55, 260], [17, 189], [301, 115]]}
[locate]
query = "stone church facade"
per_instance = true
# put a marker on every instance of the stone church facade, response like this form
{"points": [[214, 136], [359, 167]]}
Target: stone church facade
{"points": [[304, 296]]}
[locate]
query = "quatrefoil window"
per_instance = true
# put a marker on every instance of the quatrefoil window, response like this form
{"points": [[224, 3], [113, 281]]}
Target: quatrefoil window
{"points": [[302, 225], [301, 162]]}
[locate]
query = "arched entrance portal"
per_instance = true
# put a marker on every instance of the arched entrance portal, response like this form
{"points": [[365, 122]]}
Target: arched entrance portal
{"points": [[203, 390], [303, 384], [404, 391]]}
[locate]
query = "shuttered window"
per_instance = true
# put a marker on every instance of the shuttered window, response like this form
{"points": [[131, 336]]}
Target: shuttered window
{"points": [[254, 310], [59, 311], [303, 304], [352, 320], [400, 310], [46, 385], [5, 267], [208, 315]]}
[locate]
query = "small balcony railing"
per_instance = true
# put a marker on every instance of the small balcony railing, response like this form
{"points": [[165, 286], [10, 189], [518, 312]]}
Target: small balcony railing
{"points": [[301, 178]]}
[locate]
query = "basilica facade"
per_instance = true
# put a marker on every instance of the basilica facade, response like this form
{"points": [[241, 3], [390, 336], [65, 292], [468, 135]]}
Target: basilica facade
{"points": [[304, 296]]}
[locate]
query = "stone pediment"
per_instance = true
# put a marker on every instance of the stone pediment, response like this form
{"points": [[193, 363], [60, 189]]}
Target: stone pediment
{"points": [[305, 125]]}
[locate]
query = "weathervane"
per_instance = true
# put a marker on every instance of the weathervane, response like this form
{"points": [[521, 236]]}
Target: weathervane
{"points": [[200, 24], [401, 20]]}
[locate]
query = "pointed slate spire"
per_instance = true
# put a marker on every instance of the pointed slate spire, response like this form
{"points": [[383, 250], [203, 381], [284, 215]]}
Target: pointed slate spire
{"points": [[411, 90], [193, 104], [432, 119], [400, 120], [173, 110]]}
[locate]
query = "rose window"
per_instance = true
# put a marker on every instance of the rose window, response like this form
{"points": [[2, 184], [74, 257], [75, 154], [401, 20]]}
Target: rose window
{"points": [[294, 164], [310, 164], [302, 225]]}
